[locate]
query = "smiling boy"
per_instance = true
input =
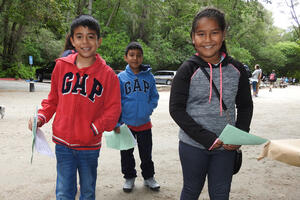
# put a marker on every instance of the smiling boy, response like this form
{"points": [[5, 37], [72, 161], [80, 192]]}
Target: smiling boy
{"points": [[85, 95], [139, 99]]}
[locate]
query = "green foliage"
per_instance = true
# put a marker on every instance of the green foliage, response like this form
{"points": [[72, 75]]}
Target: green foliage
{"points": [[38, 28], [42, 45], [149, 57], [271, 58], [241, 54], [112, 49], [291, 50], [296, 74], [19, 70]]}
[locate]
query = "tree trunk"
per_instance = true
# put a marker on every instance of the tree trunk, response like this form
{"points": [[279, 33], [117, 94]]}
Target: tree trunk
{"points": [[5, 43], [114, 12], [2, 5], [80, 6], [90, 6], [11, 40], [294, 16], [143, 20], [17, 37], [68, 13]]}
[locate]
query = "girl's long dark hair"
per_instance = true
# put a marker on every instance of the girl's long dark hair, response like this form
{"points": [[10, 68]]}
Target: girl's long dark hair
{"points": [[214, 13], [68, 44]]}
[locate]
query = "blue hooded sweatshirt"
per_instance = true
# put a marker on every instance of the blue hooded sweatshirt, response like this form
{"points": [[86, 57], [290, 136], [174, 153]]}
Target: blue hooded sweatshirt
{"points": [[139, 96]]}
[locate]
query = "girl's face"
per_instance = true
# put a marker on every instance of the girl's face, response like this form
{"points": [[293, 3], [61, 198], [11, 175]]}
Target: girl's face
{"points": [[207, 39]]}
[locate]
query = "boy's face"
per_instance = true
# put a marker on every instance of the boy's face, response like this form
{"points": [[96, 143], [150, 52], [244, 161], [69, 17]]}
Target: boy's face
{"points": [[85, 41], [134, 58]]}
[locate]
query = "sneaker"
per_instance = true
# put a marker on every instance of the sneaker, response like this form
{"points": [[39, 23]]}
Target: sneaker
{"points": [[128, 185], [152, 184]]}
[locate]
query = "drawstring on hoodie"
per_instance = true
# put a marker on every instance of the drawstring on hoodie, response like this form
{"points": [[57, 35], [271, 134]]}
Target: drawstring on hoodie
{"points": [[221, 88], [210, 81]]}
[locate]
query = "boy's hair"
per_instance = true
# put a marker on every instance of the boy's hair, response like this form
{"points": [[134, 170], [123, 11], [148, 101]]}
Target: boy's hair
{"points": [[86, 21], [214, 13], [133, 45]]}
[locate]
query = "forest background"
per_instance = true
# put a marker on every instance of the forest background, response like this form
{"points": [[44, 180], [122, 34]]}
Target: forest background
{"points": [[38, 28]]}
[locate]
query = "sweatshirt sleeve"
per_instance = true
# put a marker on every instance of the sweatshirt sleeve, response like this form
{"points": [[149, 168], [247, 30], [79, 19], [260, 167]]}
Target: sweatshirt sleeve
{"points": [[49, 105], [120, 122], [111, 106], [154, 96], [177, 107], [244, 104]]}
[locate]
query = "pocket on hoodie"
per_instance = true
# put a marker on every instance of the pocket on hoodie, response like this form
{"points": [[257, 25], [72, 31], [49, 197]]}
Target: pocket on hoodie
{"points": [[144, 112], [85, 134], [128, 110]]}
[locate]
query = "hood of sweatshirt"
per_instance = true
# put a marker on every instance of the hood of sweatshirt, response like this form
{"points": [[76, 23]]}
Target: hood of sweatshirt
{"points": [[143, 69], [87, 70]]}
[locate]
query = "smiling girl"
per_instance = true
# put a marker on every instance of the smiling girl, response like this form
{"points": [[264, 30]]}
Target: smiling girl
{"points": [[198, 110]]}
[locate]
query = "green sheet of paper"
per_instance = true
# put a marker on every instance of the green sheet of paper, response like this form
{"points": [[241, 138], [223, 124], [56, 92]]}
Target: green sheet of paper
{"points": [[120, 141], [233, 135]]}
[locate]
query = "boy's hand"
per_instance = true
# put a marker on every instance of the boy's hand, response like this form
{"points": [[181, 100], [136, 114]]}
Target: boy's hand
{"points": [[39, 123], [231, 147], [117, 130]]}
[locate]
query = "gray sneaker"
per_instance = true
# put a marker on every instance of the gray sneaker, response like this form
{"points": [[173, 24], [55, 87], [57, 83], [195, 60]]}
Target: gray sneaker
{"points": [[152, 184], [128, 185]]}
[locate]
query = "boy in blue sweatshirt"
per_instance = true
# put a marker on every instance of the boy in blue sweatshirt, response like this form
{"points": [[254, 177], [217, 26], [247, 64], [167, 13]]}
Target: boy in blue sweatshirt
{"points": [[139, 98]]}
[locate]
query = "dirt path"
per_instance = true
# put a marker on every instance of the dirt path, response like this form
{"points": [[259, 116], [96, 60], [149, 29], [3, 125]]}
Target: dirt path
{"points": [[276, 116]]}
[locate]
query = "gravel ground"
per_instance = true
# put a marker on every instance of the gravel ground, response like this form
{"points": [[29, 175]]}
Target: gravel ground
{"points": [[276, 116]]}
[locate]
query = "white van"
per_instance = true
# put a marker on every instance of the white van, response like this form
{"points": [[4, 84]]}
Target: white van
{"points": [[164, 76]]}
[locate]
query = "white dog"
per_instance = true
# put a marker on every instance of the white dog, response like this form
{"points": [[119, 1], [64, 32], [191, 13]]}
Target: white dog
{"points": [[2, 111]]}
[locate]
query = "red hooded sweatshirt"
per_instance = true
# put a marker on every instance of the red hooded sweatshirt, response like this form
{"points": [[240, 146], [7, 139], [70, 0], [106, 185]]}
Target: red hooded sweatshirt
{"points": [[86, 101]]}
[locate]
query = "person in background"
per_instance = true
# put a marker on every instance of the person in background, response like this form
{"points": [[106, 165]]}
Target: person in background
{"points": [[272, 79], [256, 77], [196, 108], [259, 78], [139, 99], [85, 98]]}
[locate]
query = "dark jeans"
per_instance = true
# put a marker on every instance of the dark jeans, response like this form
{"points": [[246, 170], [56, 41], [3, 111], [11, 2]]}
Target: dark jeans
{"points": [[197, 164], [144, 142]]}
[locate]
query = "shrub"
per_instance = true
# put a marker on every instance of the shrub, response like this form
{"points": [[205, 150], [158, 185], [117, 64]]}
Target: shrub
{"points": [[19, 70]]}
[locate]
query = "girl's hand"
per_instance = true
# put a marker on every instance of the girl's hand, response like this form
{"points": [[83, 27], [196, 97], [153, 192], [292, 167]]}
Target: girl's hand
{"points": [[217, 145], [231, 147], [117, 130], [39, 123]]}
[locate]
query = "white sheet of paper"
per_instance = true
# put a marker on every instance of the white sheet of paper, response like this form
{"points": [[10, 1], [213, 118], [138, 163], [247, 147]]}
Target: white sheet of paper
{"points": [[41, 144]]}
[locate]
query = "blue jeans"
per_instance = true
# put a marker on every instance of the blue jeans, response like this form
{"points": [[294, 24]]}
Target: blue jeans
{"points": [[68, 162], [197, 164], [254, 85]]}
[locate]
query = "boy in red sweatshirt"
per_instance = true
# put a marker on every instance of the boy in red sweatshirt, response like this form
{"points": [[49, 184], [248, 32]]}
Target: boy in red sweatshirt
{"points": [[85, 95]]}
